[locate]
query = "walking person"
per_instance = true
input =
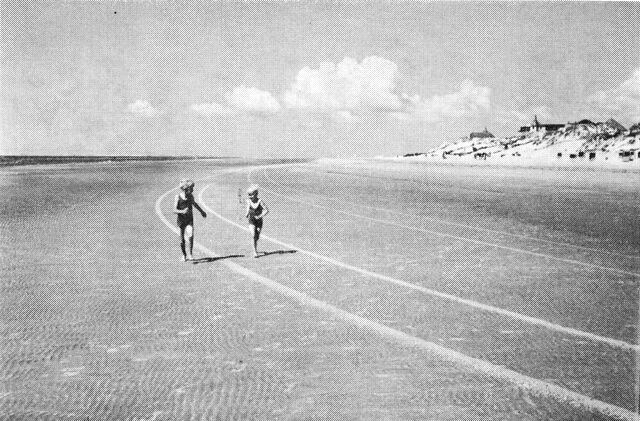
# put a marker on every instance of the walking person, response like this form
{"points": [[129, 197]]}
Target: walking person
{"points": [[256, 210], [184, 204]]}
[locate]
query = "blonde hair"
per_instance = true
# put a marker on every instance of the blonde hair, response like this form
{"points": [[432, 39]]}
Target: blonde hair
{"points": [[252, 190], [186, 184]]}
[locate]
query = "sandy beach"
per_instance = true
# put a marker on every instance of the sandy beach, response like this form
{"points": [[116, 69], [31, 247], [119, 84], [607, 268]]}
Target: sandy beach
{"points": [[452, 204], [101, 320], [546, 159]]}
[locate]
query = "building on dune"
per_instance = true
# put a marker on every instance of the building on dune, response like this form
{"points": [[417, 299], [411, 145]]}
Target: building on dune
{"points": [[598, 131], [536, 126], [580, 139], [614, 125], [633, 136], [481, 135]]}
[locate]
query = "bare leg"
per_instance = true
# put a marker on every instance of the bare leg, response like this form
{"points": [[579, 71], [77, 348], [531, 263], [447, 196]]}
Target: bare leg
{"points": [[188, 237], [183, 244], [255, 233], [256, 237]]}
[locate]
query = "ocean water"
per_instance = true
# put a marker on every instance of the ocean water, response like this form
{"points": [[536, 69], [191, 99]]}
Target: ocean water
{"points": [[11, 160]]}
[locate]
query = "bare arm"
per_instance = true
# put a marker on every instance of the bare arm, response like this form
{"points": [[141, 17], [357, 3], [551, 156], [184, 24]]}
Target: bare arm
{"points": [[265, 210], [246, 214], [197, 206]]}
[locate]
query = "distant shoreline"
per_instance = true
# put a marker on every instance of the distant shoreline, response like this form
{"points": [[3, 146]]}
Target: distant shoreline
{"points": [[53, 161], [17, 160], [522, 162], [472, 164], [21, 160]]}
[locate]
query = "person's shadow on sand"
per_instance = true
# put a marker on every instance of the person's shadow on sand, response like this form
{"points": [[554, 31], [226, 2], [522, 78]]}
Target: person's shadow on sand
{"points": [[268, 253], [214, 259]]}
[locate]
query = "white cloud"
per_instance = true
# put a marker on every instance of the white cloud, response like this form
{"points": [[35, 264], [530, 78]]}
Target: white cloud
{"points": [[368, 86], [469, 99], [211, 109], [349, 89], [346, 86], [252, 100], [622, 101], [241, 100], [141, 107], [525, 116]]}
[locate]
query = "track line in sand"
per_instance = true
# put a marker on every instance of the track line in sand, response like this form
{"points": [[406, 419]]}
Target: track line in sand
{"points": [[531, 384], [497, 310], [455, 237], [442, 221], [354, 175]]}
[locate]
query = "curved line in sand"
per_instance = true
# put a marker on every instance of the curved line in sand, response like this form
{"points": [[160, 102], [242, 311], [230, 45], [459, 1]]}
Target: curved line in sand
{"points": [[535, 386], [442, 221], [455, 237], [497, 310]]}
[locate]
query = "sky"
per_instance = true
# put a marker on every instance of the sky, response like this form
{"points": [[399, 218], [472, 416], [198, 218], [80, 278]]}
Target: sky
{"points": [[305, 79]]}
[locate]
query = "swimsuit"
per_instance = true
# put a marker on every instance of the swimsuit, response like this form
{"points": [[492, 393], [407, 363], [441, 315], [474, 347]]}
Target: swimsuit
{"points": [[185, 219], [254, 212]]}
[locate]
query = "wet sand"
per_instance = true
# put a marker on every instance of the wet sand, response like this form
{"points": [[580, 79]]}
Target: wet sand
{"points": [[101, 320]]}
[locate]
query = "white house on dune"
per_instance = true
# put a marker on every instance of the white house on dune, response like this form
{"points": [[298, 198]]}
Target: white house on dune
{"points": [[536, 126]]}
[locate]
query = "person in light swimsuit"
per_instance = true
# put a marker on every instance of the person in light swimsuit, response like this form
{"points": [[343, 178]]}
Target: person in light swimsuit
{"points": [[184, 205], [256, 210]]}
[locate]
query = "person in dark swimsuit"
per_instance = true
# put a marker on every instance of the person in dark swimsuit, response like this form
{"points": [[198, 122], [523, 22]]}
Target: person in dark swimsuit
{"points": [[184, 205], [256, 210]]}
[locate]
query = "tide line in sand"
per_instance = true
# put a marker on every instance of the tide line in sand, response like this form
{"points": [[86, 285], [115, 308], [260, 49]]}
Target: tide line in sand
{"points": [[535, 386]]}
